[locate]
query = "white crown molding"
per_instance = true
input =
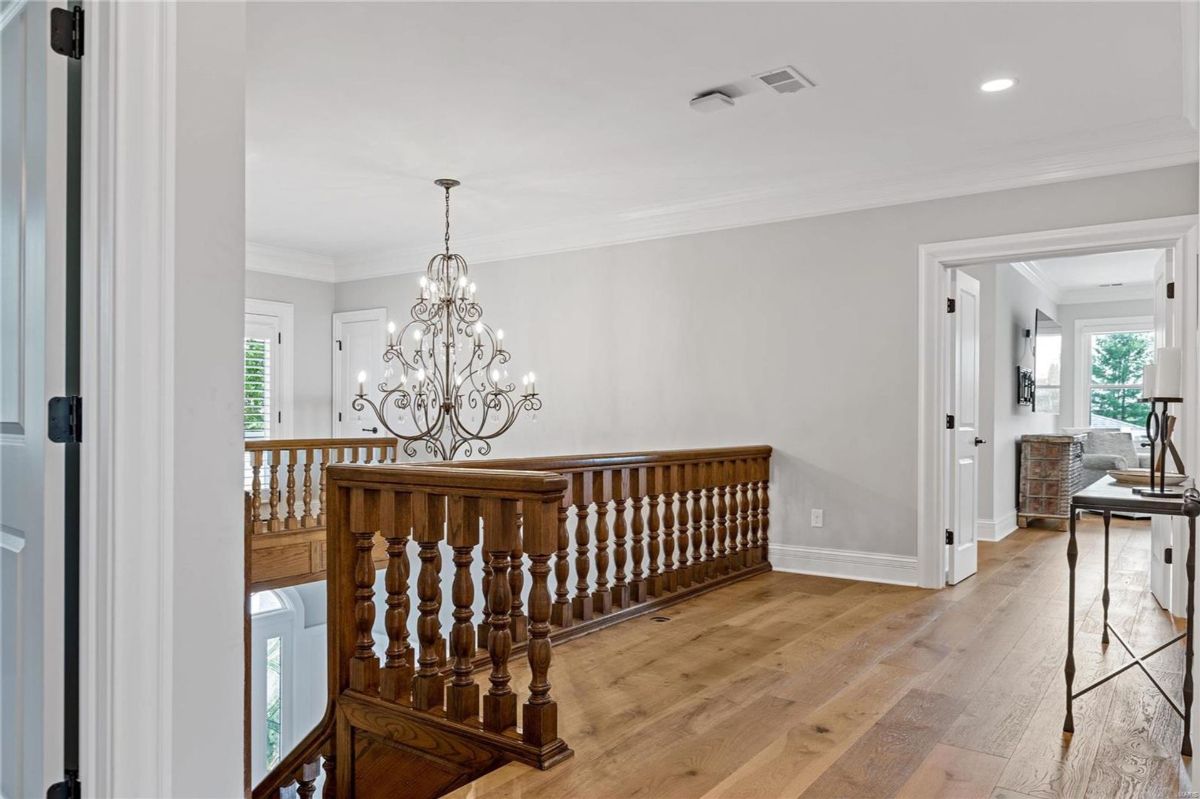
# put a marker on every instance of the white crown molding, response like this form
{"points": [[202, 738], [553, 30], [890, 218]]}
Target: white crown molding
{"points": [[1152, 145], [874, 567], [1136, 291], [1041, 281], [273, 260]]}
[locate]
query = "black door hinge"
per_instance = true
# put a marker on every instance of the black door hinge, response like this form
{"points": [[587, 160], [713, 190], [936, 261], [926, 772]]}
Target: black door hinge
{"points": [[66, 32], [949, 421], [950, 305], [64, 424], [1171, 290], [1167, 556], [949, 536], [339, 416]]}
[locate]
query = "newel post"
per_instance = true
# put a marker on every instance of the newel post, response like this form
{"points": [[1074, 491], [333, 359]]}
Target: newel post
{"points": [[540, 713]]}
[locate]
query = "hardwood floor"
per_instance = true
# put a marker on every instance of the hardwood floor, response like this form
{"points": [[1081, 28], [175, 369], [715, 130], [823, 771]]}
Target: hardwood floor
{"points": [[788, 685]]}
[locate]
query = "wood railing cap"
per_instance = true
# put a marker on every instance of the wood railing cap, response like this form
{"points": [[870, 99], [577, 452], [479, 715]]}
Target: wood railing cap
{"points": [[318, 443], [620, 459], [415, 476]]}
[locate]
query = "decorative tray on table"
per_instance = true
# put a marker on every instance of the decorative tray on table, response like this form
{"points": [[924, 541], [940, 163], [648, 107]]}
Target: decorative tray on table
{"points": [[1141, 477]]}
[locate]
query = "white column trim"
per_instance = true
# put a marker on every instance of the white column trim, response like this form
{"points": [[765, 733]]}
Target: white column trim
{"points": [[127, 381]]}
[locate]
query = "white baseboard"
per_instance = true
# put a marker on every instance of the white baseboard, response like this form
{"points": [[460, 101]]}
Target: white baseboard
{"points": [[997, 529], [871, 566]]}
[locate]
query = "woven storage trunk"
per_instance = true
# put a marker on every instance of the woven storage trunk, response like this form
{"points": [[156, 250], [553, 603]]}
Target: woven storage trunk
{"points": [[1051, 472]]}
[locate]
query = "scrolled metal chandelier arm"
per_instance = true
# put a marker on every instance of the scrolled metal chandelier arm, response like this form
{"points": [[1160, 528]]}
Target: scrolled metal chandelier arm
{"points": [[453, 382]]}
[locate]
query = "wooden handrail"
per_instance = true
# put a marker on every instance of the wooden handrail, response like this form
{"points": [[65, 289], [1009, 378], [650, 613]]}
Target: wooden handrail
{"points": [[612, 460], [264, 444]]}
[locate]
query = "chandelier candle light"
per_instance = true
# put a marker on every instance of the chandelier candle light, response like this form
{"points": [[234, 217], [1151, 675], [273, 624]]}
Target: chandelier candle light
{"points": [[448, 367]]}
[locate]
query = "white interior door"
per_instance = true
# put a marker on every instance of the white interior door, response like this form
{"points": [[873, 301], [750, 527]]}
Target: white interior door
{"points": [[1162, 528], [359, 338], [964, 470], [32, 369]]}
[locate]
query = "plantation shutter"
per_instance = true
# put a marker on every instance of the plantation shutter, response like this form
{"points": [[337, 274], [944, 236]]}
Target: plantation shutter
{"points": [[260, 348]]}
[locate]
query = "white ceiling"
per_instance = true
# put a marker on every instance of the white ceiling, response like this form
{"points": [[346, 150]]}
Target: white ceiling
{"points": [[569, 123], [1090, 278]]}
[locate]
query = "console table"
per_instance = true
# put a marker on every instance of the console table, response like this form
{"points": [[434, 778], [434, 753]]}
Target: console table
{"points": [[1107, 497]]}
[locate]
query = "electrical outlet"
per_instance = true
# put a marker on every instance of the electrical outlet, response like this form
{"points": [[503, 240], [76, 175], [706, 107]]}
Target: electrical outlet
{"points": [[818, 517]]}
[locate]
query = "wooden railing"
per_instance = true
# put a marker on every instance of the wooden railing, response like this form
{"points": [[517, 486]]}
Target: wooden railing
{"points": [[648, 529], [287, 485]]}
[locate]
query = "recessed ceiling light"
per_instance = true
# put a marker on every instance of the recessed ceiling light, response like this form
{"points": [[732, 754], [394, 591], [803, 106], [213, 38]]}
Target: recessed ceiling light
{"points": [[997, 84]]}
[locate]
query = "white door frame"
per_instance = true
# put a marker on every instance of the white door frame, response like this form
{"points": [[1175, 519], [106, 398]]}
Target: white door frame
{"points": [[934, 260]]}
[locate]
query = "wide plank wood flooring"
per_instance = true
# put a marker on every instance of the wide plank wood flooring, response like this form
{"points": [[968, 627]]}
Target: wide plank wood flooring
{"points": [[788, 685]]}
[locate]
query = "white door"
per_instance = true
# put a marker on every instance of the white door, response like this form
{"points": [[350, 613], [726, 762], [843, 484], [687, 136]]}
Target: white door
{"points": [[964, 405], [359, 339], [1164, 530], [32, 369]]}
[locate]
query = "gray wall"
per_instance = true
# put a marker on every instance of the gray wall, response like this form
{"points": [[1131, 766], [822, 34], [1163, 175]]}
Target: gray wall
{"points": [[312, 309], [1068, 315], [798, 334]]}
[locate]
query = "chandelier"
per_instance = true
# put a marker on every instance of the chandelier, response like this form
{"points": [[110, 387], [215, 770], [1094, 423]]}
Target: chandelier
{"points": [[445, 371]]}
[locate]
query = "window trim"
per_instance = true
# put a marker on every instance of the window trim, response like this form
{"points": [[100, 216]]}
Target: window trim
{"points": [[1084, 330], [283, 383]]}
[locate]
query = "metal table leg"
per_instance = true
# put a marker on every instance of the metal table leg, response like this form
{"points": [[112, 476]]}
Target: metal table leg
{"points": [[1104, 596], [1187, 667], [1072, 554]]}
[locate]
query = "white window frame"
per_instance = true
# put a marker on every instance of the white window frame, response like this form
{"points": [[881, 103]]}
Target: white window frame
{"points": [[282, 379], [283, 623], [1084, 330]]}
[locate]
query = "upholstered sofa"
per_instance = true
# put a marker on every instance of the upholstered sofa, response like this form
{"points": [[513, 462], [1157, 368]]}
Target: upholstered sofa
{"points": [[1110, 449]]}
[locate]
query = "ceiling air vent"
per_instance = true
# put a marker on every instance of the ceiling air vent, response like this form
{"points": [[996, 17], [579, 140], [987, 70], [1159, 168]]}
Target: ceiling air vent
{"points": [[785, 80], [1110, 285]]}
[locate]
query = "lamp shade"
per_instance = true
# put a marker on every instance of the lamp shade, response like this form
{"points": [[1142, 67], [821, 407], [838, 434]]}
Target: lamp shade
{"points": [[1147, 383], [1168, 373]]}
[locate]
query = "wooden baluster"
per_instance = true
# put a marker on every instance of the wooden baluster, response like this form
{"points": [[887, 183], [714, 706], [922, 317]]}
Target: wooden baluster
{"points": [[540, 713], [428, 685], [753, 519], [669, 575], [321, 518], [560, 614], [329, 790], [602, 600], [518, 622], [654, 582], [683, 569], [764, 511], [306, 780], [742, 526], [292, 522], [581, 603], [257, 524], [307, 519], [485, 625], [368, 453], [354, 454], [395, 523], [499, 537], [437, 517], [721, 478], [620, 589], [274, 523], [364, 521], [695, 528], [462, 695], [637, 586], [707, 478], [735, 555]]}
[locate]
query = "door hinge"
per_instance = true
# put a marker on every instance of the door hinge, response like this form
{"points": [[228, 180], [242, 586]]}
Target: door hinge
{"points": [[1171, 290], [949, 536], [339, 416], [1167, 556], [949, 421], [64, 423], [950, 304], [66, 32], [279, 417], [279, 337]]}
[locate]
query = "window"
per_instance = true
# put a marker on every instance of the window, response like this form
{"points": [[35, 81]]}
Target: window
{"points": [[1114, 354], [272, 632], [267, 370]]}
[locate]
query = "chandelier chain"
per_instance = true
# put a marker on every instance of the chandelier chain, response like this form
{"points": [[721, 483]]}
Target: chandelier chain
{"points": [[447, 220]]}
